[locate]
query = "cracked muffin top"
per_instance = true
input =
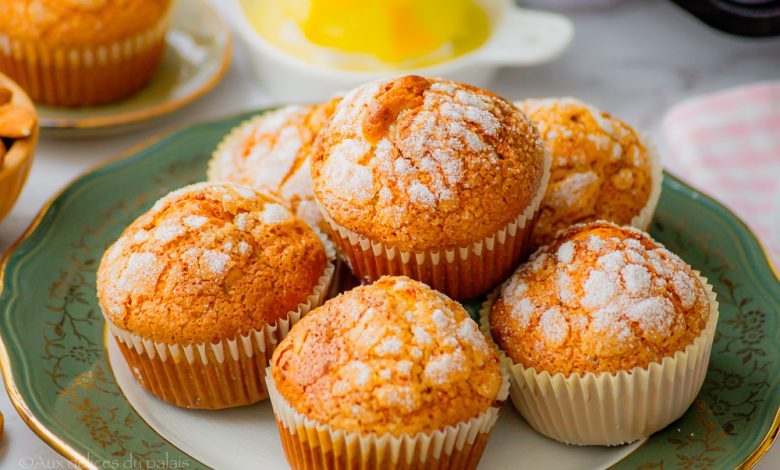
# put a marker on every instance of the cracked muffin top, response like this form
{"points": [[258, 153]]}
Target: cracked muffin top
{"points": [[600, 167], [208, 262], [421, 163], [79, 22], [271, 152], [393, 357], [600, 298]]}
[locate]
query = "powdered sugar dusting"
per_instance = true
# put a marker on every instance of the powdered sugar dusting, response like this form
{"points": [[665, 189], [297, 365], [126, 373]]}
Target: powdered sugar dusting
{"points": [[636, 278], [215, 261], [404, 367], [629, 291], [442, 368], [423, 153], [599, 288], [273, 214], [685, 288], [242, 221], [595, 243], [522, 311], [389, 346], [168, 232], [469, 334], [441, 320], [399, 396], [553, 326], [141, 274], [421, 336], [652, 314], [360, 371], [342, 169], [612, 262], [194, 221], [565, 293], [566, 253]]}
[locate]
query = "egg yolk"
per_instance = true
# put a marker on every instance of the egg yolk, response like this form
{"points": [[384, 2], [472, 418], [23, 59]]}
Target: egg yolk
{"points": [[371, 34]]}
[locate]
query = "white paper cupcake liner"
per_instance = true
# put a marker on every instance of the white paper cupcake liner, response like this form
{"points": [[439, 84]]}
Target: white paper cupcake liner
{"points": [[607, 409], [85, 75], [309, 444], [461, 273], [217, 375]]}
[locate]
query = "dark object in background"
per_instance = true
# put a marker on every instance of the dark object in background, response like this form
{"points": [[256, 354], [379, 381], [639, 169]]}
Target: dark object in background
{"points": [[754, 18]]}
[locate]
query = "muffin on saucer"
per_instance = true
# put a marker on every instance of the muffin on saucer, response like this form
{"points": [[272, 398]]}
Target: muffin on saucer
{"points": [[82, 53], [271, 152], [200, 289], [607, 335], [601, 168], [431, 179], [393, 375]]}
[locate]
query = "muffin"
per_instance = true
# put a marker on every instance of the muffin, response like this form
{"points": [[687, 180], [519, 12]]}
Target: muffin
{"points": [[271, 152], [606, 333], [391, 375], [432, 179], [82, 53], [601, 168], [200, 289]]}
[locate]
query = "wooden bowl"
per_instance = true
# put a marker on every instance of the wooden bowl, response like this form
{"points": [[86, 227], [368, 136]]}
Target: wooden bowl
{"points": [[18, 160]]}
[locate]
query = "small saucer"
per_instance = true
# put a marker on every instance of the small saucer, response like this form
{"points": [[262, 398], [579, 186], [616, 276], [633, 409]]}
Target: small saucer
{"points": [[197, 57]]}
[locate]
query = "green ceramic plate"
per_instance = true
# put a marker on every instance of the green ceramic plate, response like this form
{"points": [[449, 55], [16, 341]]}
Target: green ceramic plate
{"points": [[197, 57], [55, 363]]}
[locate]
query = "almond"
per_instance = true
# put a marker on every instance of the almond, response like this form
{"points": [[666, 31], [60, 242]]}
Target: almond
{"points": [[5, 95], [16, 122]]}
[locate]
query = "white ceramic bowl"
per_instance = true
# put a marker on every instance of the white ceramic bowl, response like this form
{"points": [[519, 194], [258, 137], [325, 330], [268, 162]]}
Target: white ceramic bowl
{"points": [[519, 37]]}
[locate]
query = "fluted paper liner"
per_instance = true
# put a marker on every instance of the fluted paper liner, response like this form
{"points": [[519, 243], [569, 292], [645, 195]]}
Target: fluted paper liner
{"points": [[85, 75], [606, 409], [309, 444], [461, 273], [645, 216], [217, 375]]}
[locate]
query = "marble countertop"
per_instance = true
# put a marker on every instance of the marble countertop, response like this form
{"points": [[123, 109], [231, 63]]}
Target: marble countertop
{"points": [[634, 58]]}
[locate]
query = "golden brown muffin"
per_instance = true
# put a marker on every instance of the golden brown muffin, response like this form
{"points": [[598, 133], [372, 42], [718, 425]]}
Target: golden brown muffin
{"points": [[600, 298], [271, 152], [420, 163], [82, 52], [79, 22], [208, 262], [600, 170], [394, 357]]}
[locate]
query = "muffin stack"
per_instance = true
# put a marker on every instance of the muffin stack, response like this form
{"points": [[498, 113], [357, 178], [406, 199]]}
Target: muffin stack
{"points": [[430, 190]]}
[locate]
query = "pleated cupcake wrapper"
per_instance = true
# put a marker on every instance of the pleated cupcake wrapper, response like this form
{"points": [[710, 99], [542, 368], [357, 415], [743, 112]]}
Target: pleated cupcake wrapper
{"points": [[216, 375], [606, 409], [309, 444], [461, 273], [645, 216], [85, 75]]}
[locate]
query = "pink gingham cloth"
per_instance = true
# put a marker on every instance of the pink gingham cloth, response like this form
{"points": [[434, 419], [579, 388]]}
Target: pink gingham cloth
{"points": [[728, 145]]}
